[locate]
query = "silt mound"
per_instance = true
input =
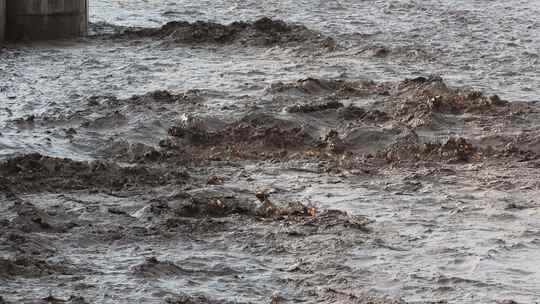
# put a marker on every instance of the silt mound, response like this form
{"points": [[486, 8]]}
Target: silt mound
{"points": [[263, 32]]}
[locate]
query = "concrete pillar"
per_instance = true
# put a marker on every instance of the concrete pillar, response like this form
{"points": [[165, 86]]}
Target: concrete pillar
{"points": [[46, 19], [2, 20]]}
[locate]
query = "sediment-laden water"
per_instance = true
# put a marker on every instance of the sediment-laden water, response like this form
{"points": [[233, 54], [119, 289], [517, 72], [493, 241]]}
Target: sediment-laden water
{"points": [[276, 152]]}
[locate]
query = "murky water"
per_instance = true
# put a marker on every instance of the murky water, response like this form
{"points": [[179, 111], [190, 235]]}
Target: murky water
{"points": [[441, 232], [491, 45]]}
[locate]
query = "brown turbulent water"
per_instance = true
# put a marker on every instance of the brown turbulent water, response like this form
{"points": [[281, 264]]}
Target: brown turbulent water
{"points": [[200, 152]]}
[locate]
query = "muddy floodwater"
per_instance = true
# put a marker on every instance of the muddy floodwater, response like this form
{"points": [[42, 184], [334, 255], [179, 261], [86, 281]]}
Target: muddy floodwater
{"points": [[275, 152]]}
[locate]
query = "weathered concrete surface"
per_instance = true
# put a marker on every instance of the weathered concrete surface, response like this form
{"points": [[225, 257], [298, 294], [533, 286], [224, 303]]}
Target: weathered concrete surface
{"points": [[2, 20], [46, 19]]}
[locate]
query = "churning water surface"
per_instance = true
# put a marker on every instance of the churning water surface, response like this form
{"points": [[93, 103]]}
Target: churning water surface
{"points": [[470, 251]]}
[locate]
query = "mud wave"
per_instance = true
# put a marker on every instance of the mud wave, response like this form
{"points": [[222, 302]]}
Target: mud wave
{"points": [[195, 180], [264, 32], [35, 172]]}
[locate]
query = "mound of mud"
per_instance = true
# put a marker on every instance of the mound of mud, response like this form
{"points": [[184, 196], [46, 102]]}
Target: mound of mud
{"points": [[154, 97], [447, 100], [315, 86], [331, 218], [302, 215], [455, 149], [17, 242], [32, 219], [153, 268], [202, 209], [53, 300], [29, 267], [262, 32], [109, 112], [417, 101], [212, 201], [330, 295], [312, 95], [274, 210], [317, 107], [188, 299], [250, 134], [36, 172]]}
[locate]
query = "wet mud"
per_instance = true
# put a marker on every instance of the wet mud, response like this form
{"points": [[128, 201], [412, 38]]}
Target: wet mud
{"points": [[272, 187], [263, 32], [38, 172], [209, 177]]}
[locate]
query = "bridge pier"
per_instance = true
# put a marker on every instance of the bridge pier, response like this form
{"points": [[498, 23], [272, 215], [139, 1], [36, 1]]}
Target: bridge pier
{"points": [[30, 20], [2, 20]]}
